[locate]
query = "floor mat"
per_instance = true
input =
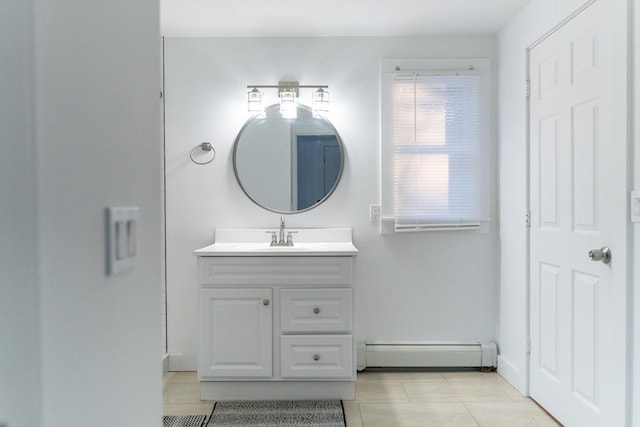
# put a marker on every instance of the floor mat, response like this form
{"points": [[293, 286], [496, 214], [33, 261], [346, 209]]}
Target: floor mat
{"points": [[183, 420], [278, 413]]}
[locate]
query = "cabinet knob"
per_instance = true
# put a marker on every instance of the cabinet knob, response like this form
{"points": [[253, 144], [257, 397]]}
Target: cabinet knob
{"points": [[265, 302], [316, 310], [316, 357]]}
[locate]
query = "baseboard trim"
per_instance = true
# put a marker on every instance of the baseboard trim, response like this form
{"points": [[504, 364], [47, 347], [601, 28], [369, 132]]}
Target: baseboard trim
{"points": [[183, 362], [165, 364], [511, 373]]}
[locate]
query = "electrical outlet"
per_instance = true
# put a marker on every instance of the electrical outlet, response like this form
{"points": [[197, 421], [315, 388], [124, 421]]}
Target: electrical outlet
{"points": [[374, 213]]}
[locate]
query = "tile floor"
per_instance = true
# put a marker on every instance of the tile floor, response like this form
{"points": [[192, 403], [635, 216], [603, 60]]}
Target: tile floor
{"points": [[403, 399]]}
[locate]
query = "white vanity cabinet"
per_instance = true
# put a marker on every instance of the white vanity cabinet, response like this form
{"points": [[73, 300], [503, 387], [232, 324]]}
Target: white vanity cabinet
{"points": [[276, 327]]}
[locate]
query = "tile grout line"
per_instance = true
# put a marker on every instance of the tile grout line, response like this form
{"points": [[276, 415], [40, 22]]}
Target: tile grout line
{"points": [[471, 413], [359, 415]]}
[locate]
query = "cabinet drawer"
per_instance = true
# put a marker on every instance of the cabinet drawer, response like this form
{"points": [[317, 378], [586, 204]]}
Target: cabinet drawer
{"points": [[315, 310], [317, 356], [303, 271]]}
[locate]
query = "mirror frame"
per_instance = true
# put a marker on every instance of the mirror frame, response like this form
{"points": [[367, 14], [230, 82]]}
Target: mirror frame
{"points": [[288, 212]]}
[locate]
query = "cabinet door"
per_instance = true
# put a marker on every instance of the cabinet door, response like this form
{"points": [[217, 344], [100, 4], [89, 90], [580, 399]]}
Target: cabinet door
{"points": [[236, 327]]}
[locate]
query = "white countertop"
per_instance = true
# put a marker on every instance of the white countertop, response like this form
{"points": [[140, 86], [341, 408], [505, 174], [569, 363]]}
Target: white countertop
{"points": [[256, 242]]}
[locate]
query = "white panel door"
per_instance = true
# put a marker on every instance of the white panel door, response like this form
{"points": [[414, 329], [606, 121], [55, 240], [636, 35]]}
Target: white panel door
{"points": [[578, 191], [236, 334]]}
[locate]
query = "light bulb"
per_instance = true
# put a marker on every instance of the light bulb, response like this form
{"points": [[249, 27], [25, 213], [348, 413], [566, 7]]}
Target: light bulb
{"points": [[288, 105], [254, 101], [320, 102]]}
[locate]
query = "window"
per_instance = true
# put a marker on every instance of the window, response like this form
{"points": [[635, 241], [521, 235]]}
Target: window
{"points": [[434, 150]]}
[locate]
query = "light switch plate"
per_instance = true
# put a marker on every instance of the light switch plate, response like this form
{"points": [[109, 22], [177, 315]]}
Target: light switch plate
{"points": [[122, 238]]}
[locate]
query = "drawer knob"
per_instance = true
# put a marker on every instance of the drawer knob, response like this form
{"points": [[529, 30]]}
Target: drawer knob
{"points": [[316, 357], [265, 302], [316, 310]]}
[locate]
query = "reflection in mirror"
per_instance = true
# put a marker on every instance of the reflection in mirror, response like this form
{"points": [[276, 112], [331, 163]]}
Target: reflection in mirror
{"points": [[288, 165]]}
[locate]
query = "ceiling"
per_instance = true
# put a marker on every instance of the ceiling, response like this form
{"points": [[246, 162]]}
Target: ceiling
{"points": [[325, 18]]}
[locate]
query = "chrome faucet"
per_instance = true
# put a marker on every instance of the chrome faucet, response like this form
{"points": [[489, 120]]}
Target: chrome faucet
{"points": [[279, 239], [281, 233]]}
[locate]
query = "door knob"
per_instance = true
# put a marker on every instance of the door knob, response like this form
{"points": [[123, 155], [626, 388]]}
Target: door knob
{"points": [[265, 302], [603, 254]]}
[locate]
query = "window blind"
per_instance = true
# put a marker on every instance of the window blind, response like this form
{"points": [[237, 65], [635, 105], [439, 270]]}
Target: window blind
{"points": [[438, 167]]}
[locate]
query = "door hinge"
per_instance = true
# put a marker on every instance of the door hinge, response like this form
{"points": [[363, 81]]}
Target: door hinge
{"points": [[529, 345], [527, 218], [528, 88]]}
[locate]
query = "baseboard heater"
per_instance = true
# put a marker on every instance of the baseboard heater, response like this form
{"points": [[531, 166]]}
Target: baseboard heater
{"points": [[482, 355]]}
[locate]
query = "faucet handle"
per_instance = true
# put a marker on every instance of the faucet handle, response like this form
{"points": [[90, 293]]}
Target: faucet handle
{"points": [[290, 238], [274, 237]]}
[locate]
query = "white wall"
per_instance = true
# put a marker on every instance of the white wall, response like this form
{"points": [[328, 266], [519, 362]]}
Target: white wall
{"points": [[20, 377], [422, 286], [80, 131], [529, 25], [635, 416]]}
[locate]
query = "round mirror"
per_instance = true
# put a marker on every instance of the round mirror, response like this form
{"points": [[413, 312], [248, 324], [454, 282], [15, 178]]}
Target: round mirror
{"points": [[288, 165]]}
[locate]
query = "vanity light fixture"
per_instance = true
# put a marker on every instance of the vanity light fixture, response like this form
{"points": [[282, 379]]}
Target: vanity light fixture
{"points": [[320, 102], [288, 92], [254, 101]]}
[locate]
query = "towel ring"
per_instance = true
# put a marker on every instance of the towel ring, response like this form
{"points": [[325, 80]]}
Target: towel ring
{"points": [[205, 146]]}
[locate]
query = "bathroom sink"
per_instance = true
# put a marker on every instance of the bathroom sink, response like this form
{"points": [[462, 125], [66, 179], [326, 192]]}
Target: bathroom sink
{"points": [[269, 248], [256, 242]]}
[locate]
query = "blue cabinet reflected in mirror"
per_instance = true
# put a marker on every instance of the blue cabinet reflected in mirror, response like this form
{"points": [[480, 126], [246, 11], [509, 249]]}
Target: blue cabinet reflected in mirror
{"points": [[288, 165]]}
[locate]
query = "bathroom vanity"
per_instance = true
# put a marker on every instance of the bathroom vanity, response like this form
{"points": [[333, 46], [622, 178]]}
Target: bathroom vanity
{"points": [[276, 322]]}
